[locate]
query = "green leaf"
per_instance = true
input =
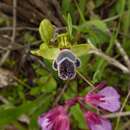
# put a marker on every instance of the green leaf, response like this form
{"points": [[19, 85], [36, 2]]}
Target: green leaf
{"points": [[95, 23], [43, 103], [46, 84], [69, 24], [80, 12], [78, 116], [97, 37], [95, 30], [82, 6], [81, 49], [98, 3], [11, 114], [46, 52], [99, 24], [120, 6], [46, 30], [65, 6], [49, 85], [28, 38], [71, 90]]}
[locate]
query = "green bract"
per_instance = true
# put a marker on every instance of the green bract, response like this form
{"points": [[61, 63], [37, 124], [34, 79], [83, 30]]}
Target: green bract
{"points": [[46, 30]]}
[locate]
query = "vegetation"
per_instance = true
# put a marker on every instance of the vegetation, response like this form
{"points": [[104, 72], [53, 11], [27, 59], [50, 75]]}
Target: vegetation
{"points": [[33, 33]]}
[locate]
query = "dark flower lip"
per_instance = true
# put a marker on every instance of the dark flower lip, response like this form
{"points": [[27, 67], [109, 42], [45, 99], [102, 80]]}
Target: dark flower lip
{"points": [[66, 69], [65, 58], [66, 78], [66, 64], [66, 53]]}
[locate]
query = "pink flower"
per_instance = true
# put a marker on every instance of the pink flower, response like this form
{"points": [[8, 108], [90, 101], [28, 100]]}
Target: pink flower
{"points": [[55, 119], [107, 98], [96, 122]]}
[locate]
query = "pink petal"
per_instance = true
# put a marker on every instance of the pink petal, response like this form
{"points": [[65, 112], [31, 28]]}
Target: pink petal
{"points": [[105, 125], [96, 122], [62, 123], [93, 98], [111, 99], [44, 123]]}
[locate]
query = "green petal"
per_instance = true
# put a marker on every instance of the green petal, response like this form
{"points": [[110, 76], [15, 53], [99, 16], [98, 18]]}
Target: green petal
{"points": [[46, 30], [81, 49], [46, 52]]}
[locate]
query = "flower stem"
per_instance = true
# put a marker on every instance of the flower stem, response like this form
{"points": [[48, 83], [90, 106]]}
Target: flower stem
{"points": [[86, 80]]}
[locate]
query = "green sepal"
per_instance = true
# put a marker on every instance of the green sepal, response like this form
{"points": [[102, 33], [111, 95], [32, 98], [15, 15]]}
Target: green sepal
{"points": [[46, 52], [46, 30], [81, 49]]}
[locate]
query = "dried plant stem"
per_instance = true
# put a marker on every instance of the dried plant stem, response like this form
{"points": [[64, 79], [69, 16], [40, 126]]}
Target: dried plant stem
{"points": [[126, 125], [10, 28], [111, 18], [14, 21], [60, 94], [6, 54], [118, 114], [109, 59], [4, 57], [123, 53], [123, 105], [4, 100]]}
